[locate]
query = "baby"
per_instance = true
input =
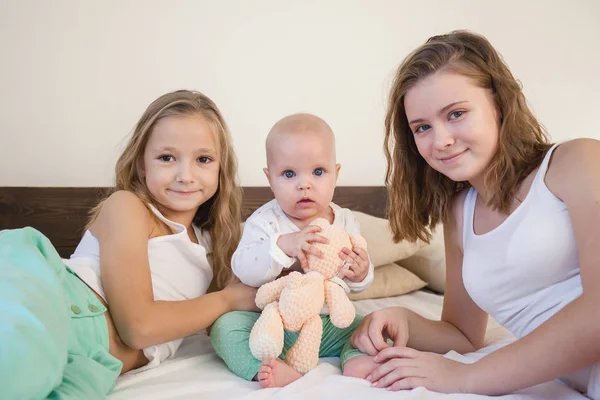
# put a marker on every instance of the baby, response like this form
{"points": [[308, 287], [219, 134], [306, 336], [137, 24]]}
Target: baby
{"points": [[302, 172]]}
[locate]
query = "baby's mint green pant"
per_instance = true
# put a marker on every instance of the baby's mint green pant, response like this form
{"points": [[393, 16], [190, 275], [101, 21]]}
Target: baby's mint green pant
{"points": [[230, 336], [53, 334]]}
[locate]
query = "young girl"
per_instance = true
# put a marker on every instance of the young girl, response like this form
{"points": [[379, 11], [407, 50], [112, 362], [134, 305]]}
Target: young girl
{"points": [[147, 256], [521, 223]]}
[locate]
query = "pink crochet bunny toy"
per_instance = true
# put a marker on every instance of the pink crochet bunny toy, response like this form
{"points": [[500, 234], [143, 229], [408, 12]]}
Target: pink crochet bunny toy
{"points": [[294, 302]]}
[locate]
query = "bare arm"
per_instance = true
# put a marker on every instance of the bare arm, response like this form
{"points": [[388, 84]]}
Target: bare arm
{"points": [[568, 341], [123, 228], [463, 323]]}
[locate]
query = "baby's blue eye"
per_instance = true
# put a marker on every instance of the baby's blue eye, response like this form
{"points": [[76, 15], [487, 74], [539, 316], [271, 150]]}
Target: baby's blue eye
{"points": [[289, 173], [319, 172]]}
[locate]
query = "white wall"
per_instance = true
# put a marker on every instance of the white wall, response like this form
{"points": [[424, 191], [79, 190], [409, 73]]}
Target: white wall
{"points": [[76, 75]]}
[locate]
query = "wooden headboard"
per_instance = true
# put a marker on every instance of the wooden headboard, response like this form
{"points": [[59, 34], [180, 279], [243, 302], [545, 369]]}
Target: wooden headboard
{"points": [[61, 213]]}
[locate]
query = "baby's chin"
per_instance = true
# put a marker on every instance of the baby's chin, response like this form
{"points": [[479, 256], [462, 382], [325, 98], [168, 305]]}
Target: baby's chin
{"points": [[306, 212]]}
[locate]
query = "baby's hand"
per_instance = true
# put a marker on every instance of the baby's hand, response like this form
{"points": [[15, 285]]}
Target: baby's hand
{"points": [[297, 243], [359, 264]]}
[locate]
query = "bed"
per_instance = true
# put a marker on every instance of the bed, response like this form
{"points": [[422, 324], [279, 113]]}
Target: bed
{"points": [[195, 372]]}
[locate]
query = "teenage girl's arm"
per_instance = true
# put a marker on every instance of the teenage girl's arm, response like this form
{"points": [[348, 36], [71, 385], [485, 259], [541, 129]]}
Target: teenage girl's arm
{"points": [[123, 228], [565, 343], [568, 341], [463, 323]]}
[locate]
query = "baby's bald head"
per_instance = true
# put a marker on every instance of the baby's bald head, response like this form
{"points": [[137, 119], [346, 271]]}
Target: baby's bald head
{"points": [[302, 125], [301, 166]]}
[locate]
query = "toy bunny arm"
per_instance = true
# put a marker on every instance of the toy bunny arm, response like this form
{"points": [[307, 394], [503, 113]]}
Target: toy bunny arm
{"points": [[270, 292], [341, 309], [258, 259]]}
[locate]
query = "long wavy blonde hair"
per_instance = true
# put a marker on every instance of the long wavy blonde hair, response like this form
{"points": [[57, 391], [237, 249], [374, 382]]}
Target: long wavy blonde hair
{"points": [[419, 196], [221, 214]]}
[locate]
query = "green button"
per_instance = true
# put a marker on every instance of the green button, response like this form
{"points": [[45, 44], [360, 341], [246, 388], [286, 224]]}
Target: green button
{"points": [[92, 308], [75, 309]]}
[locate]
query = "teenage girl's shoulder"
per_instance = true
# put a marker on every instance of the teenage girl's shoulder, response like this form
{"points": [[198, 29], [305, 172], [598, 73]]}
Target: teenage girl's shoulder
{"points": [[574, 167], [122, 209]]}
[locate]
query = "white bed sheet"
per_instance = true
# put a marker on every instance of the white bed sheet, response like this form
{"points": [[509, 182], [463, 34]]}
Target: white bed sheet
{"points": [[195, 372]]}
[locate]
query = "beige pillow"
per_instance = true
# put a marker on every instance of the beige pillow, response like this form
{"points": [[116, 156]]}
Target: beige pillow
{"points": [[390, 280], [429, 263], [381, 247]]}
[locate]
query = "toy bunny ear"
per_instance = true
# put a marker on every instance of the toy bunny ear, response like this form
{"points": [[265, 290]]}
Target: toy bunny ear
{"points": [[320, 222]]}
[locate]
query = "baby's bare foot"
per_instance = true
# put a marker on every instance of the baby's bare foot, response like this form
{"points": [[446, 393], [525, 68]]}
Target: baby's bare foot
{"points": [[360, 366], [275, 373]]}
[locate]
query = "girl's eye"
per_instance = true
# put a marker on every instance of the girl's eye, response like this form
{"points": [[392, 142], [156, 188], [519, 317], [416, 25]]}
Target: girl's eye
{"points": [[166, 158], [456, 114], [289, 173], [422, 128], [204, 160], [319, 172]]}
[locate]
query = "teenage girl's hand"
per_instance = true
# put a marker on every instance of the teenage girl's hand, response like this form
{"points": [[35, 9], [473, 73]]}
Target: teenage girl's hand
{"points": [[298, 243], [389, 323], [402, 368], [240, 297]]}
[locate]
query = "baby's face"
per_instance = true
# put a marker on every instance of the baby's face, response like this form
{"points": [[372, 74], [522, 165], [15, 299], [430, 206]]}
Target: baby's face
{"points": [[302, 173]]}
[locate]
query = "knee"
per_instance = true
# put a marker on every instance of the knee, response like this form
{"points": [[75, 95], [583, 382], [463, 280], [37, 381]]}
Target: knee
{"points": [[220, 327], [231, 321], [229, 336], [232, 326], [223, 321]]}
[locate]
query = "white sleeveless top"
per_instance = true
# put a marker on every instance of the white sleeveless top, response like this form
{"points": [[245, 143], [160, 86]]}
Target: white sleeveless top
{"points": [[179, 268], [526, 269]]}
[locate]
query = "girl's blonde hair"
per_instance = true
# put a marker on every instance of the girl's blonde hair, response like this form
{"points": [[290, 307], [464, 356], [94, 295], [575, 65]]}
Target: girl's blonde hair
{"points": [[419, 196], [221, 214]]}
